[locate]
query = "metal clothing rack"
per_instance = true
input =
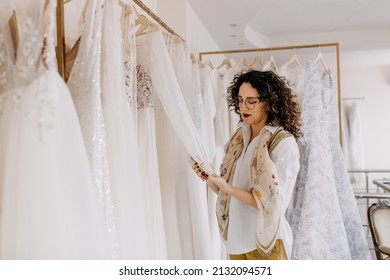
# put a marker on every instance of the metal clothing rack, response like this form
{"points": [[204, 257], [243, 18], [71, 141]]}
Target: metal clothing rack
{"points": [[147, 10], [61, 30], [352, 98], [335, 45]]}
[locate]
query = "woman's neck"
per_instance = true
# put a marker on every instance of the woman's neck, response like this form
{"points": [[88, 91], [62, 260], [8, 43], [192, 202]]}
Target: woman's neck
{"points": [[255, 130]]}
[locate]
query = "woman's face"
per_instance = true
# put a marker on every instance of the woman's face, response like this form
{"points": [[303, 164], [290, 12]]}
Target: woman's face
{"points": [[253, 112]]}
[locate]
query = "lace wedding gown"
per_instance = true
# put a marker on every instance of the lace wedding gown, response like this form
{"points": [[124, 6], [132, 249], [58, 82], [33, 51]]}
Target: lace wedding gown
{"points": [[325, 220], [48, 207]]}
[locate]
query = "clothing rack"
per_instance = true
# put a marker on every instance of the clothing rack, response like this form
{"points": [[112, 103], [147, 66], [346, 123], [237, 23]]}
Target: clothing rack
{"points": [[335, 45], [61, 30], [352, 98], [147, 10]]}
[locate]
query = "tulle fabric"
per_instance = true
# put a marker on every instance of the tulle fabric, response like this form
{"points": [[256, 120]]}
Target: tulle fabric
{"points": [[49, 208], [147, 146], [160, 97], [171, 99], [189, 212]]}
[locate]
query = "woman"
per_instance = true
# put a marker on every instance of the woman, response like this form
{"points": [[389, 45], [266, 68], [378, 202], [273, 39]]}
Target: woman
{"points": [[259, 169]]}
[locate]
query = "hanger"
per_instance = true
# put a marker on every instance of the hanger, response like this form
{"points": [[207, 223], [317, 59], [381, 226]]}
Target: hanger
{"points": [[124, 3], [243, 61], [294, 58], [141, 21], [13, 26], [193, 59], [209, 63], [70, 58], [257, 60], [321, 59], [226, 62], [273, 63]]}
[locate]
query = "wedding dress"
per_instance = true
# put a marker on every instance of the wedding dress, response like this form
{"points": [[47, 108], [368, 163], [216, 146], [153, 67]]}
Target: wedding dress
{"points": [[191, 201], [209, 109], [158, 89], [353, 141], [325, 220], [296, 78], [85, 85], [48, 207], [121, 138], [228, 77]]}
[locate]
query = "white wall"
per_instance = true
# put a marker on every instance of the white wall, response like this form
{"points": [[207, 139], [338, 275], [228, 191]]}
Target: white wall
{"points": [[198, 37], [367, 74], [173, 13]]}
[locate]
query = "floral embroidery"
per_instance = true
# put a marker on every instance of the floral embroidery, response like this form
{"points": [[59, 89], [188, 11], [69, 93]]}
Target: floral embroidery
{"points": [[258, 193], [29, 51]]}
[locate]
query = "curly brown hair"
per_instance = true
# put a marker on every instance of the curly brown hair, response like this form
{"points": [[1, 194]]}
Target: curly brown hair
{"points": [[275, 91]]}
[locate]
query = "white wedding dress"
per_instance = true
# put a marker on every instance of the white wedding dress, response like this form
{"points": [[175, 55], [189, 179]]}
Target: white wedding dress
{"points": [[48, 207], [159, 92], [121, 137], [190, 215], [85, 85]]}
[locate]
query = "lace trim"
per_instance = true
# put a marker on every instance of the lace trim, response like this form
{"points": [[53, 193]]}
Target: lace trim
{"points": [[145, 89], [129, 53]]}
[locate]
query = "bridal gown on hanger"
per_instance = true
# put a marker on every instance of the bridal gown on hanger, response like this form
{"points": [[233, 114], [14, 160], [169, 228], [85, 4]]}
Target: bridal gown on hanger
{"points": [[352, 221], [127, 192], [200, 122], [48, 207], [149, 172], [270, 65], [228, 77], [325, 220], [353, 140], [296, 77], [158, 87], [85, 85], [190, 214]]}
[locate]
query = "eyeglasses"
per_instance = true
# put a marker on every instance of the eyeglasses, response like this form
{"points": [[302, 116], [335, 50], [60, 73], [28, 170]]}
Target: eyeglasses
{"points": [[250, 102]]}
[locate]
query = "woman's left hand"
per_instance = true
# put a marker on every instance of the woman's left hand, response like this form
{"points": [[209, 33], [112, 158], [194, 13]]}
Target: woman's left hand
{"points": [[221, 183]]}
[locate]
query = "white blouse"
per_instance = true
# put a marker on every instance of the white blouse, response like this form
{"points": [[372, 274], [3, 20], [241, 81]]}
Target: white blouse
{"points": [[242, 217]]}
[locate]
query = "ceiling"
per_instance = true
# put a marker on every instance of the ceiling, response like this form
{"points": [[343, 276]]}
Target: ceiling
{"points": [[355, 24]]}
